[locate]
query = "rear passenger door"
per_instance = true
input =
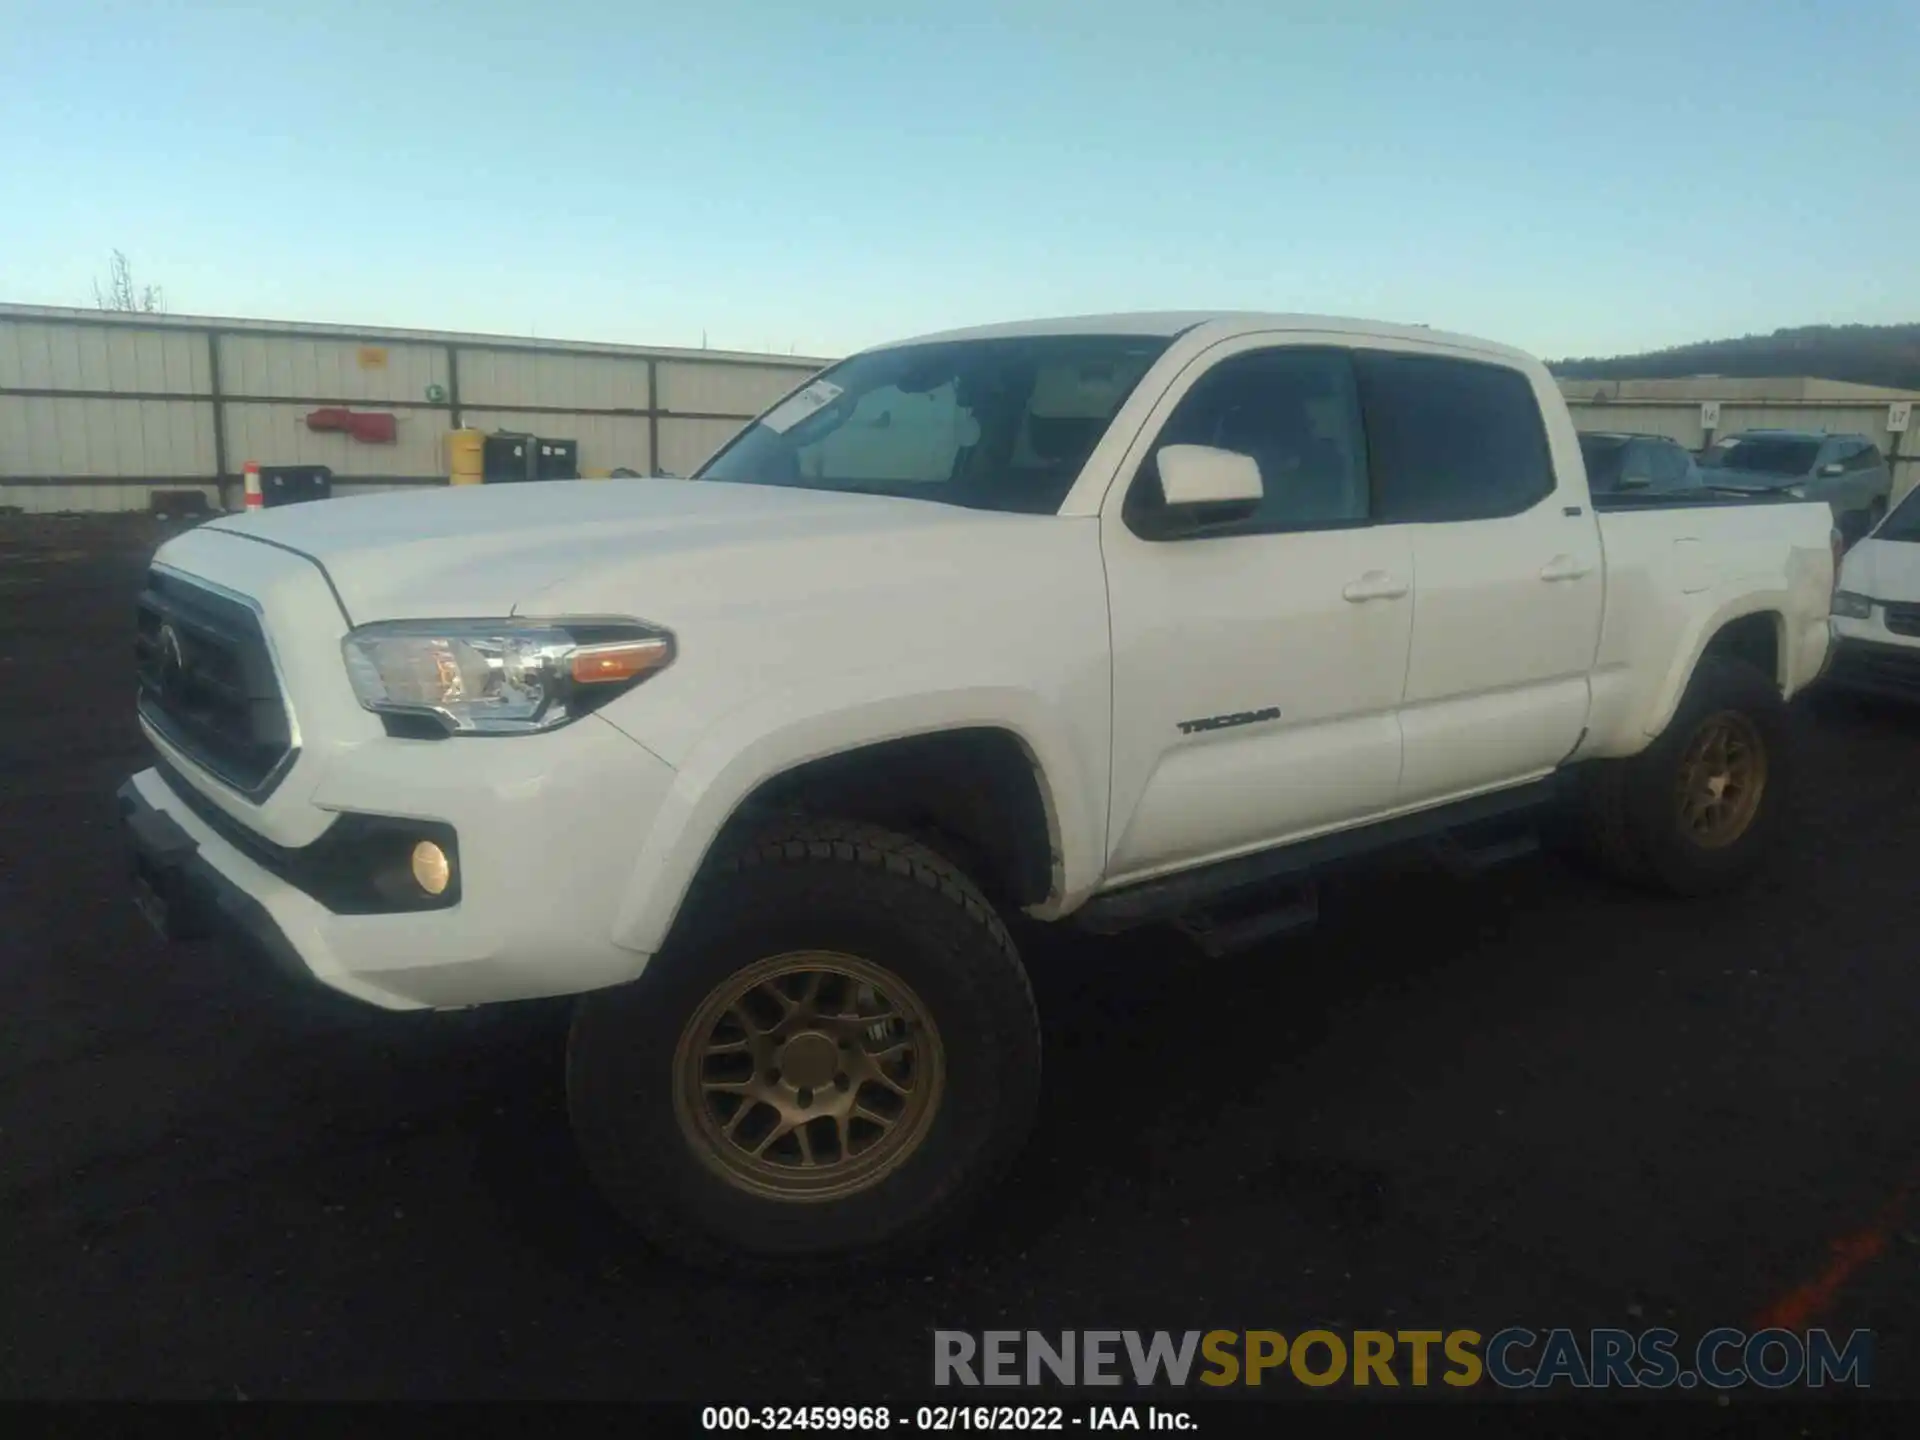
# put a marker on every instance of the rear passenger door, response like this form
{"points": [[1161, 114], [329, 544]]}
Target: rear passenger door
{"points": [[1507, 572]]}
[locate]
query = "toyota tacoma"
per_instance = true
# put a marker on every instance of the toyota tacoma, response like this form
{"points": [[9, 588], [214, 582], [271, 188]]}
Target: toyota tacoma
{"points": [[1114, 621]]}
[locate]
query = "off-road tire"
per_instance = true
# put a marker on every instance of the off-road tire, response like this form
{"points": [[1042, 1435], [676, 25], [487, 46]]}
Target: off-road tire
{"points": [[827, 886], [1632, 819], [1602, 834]]}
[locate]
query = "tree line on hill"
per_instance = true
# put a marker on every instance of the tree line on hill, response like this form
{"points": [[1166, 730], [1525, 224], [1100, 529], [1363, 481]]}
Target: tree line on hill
{"points": [[1887, 355]]}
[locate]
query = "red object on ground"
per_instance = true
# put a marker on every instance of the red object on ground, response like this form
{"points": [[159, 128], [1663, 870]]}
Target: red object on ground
{"points": [[369, 429]]}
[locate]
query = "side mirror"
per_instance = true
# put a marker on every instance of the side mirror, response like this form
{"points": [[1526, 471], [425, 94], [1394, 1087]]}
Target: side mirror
{"points": [[1202, 475], [1639, 480]]}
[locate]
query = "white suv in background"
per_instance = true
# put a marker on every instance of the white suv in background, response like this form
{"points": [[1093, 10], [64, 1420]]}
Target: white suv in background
{"points": [[1876, 612]]}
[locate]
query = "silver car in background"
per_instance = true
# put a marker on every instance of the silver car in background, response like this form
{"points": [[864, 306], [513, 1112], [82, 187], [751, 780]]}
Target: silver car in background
{"points": [[1846, 471]]}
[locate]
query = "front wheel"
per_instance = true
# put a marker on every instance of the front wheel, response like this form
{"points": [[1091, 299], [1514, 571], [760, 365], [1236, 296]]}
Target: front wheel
{"points": [[1697, 810], [832, 1060]]}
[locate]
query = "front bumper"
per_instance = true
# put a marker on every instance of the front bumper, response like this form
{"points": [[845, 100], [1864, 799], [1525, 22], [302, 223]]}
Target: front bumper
{"points": [[550, 829], [186, 898], [1874, 667]]}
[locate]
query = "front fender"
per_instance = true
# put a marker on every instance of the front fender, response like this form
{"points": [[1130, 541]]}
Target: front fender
{"points": [[780, 731]]}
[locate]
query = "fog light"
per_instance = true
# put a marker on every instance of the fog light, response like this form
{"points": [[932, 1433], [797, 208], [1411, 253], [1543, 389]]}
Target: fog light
{"points": [[431, 870]]}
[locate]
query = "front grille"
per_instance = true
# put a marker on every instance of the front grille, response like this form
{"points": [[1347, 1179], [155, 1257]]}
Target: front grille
{"points": [[208, 683], [1904, 619]]}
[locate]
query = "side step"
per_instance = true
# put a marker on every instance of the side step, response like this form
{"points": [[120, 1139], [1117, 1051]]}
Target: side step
{"points": [[1464, 860], [1208, 887], [1219, 935]]}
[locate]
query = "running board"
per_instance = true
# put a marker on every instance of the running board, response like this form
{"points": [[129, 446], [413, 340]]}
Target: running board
{"points": [[1189, 892], [1465, 861], [1217, 937]]}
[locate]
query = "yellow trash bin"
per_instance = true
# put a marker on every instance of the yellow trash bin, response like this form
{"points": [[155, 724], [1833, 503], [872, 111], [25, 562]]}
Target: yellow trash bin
{"points": [[466, 457]]}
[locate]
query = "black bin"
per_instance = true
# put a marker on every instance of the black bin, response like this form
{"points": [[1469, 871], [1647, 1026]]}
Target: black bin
{"points": [[294, 484], [558, 460], [506, 457]]}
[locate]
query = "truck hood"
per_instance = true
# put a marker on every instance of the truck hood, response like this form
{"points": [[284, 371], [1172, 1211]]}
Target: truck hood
{"points": [[574, 547], [1883, 570]]}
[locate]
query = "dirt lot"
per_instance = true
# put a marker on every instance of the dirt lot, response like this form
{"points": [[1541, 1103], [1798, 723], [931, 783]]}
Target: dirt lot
{"points": [[1565, 1105]]}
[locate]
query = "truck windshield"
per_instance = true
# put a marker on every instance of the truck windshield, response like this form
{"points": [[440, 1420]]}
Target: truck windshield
{"points": [[1764, 455], [995, 424], [1904, 522]]}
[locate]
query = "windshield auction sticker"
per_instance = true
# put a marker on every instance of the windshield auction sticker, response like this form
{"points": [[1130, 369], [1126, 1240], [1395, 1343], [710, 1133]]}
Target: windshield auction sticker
{"points": [[799, 405]]}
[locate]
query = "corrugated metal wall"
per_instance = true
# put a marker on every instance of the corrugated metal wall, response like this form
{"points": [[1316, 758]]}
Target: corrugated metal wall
{"points": [[97, 410]]}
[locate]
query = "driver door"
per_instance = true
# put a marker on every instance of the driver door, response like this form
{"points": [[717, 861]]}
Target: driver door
{"points": [[1258, 664]]}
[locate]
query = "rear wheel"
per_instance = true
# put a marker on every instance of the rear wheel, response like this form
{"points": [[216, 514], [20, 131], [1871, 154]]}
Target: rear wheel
{"points": [[833, 1059], [1696, 811]]}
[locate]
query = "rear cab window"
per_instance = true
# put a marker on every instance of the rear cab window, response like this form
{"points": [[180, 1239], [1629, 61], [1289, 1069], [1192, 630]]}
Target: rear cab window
{"points": [[1452, 440]]}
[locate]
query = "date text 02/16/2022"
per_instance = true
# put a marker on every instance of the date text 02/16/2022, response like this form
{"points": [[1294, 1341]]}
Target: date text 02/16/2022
{"points": [[940, 1419]]}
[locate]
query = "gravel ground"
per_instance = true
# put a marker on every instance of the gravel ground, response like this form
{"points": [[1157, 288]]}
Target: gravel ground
{"points": [[1566, 1105]]}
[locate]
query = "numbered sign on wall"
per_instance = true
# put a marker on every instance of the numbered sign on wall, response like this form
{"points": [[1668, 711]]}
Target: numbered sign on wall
{"points": [[1709, 414], [1897, 414]]}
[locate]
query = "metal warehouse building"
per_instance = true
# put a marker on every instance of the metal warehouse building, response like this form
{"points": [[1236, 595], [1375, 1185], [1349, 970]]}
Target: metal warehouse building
{"points": [[98, 410]]}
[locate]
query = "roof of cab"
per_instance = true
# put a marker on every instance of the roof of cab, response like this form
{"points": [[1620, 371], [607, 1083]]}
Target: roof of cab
{"points": [[1168, 324]]}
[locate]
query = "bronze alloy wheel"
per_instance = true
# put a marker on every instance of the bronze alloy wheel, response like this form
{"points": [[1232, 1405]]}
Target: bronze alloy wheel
{"points": [[1723, 774], [808, 1076]]}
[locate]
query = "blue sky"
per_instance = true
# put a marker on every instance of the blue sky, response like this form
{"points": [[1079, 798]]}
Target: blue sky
{"points": [[1573, 178]]}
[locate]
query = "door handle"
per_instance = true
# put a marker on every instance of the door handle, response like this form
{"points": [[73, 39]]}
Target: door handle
{"points": [[1374, 585], [1564, 567]]}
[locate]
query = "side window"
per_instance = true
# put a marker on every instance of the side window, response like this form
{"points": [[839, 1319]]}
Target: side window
{"points": [[1836, 452], [1639, 465], [1867, 457], [1297, 413], [1669, 466], [1452, 439]]}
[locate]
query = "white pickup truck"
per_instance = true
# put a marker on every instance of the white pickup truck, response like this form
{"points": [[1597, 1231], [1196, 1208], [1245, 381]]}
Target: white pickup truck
{"points": [[1134, 619]]}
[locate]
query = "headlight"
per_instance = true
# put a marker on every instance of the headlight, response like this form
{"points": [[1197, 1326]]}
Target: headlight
{"points": [[1849, 606], [500, 677], [1798, 492]]}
